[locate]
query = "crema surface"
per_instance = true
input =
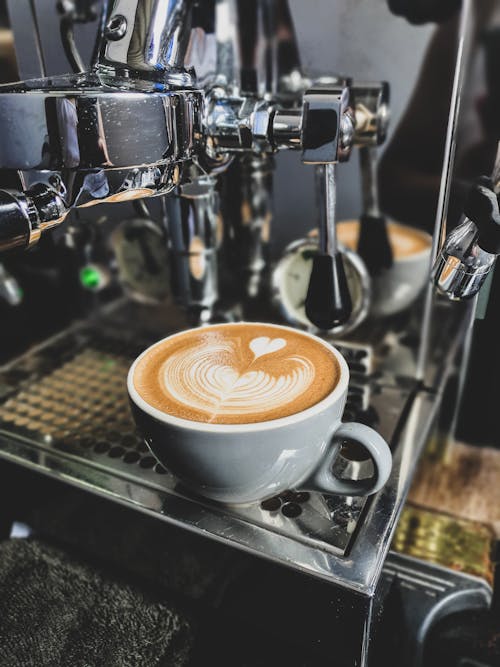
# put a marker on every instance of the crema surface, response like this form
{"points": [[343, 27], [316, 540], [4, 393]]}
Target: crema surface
{"points": [[236, 374]]}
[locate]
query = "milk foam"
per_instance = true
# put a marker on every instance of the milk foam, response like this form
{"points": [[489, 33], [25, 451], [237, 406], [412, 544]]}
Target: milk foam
{"points": [[223, 389], [238, 373]]}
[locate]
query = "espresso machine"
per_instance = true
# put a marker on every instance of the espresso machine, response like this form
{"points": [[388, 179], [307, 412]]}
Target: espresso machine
{"points": [[139, 154]]}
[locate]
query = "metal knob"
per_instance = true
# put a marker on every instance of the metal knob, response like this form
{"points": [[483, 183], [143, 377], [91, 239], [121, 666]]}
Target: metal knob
{"points": [[328, 301]]}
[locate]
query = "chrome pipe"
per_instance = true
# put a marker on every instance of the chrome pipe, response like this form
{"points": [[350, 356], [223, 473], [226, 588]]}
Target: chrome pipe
{"points": [[462, 58], [247, 213], [191, 219], [257, 52], [146, 39]]}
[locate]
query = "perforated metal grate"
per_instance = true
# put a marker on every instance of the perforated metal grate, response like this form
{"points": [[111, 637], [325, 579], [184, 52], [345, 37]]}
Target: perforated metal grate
{"points": [[82, 405]]}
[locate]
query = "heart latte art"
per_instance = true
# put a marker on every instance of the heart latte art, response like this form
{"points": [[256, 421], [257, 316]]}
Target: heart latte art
{"points": [[236, 374]]}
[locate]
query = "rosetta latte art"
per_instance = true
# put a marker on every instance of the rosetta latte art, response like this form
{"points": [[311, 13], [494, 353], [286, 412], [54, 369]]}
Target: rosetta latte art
{"points": [[192, 377], [237, 373]]}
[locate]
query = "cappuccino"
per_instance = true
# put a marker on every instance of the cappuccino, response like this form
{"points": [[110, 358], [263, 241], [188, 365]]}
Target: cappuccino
{"points": [[405, 241], [236, 373]]}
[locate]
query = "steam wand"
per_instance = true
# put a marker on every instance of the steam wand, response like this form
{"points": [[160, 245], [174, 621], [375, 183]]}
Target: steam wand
{"points": [[470, 251], [328, 301]]}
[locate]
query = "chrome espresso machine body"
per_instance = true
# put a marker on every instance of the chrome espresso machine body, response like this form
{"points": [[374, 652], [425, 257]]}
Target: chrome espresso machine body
{"points": [[182, 113]]}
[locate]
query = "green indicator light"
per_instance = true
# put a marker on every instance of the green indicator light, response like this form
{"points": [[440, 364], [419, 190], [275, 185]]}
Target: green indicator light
{"points": [[90, 277]]}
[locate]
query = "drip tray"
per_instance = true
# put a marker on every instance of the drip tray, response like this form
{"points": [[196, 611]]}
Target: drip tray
{"points": [[69, 399]]}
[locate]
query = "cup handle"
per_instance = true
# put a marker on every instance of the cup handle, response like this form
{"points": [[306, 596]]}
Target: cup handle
{"points": [[323, 479]]}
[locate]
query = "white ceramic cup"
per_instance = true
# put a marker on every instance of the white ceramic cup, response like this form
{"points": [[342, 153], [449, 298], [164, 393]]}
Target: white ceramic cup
{"points": [[246, 463]]}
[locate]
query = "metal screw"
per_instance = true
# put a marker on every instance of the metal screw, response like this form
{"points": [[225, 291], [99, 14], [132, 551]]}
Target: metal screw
{"points": [[116, 28]]}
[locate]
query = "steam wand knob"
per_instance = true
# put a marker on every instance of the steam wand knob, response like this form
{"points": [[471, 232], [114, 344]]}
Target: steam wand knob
{"points": [[328, 300]]}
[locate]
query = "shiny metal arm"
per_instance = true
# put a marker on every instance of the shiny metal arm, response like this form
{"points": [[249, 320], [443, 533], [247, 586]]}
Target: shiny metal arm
{"points": [[174, 83], [23, 217], [192, 220]]}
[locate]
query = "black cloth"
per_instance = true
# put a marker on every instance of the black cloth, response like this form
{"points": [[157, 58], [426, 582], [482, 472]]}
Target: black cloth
{"points": [[58, 612], [189, 567]]}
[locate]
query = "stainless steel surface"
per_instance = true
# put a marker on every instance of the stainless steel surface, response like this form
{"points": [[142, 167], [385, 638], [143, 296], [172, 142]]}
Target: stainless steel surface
{"points": [[146, 40], [247, 218], [29, 54], [256, 74], [96, 144], [429, 593], [77, 124], [450, 320], [113, 140], [257, 53], [192, 218], [464, 40], [328, 134]]}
